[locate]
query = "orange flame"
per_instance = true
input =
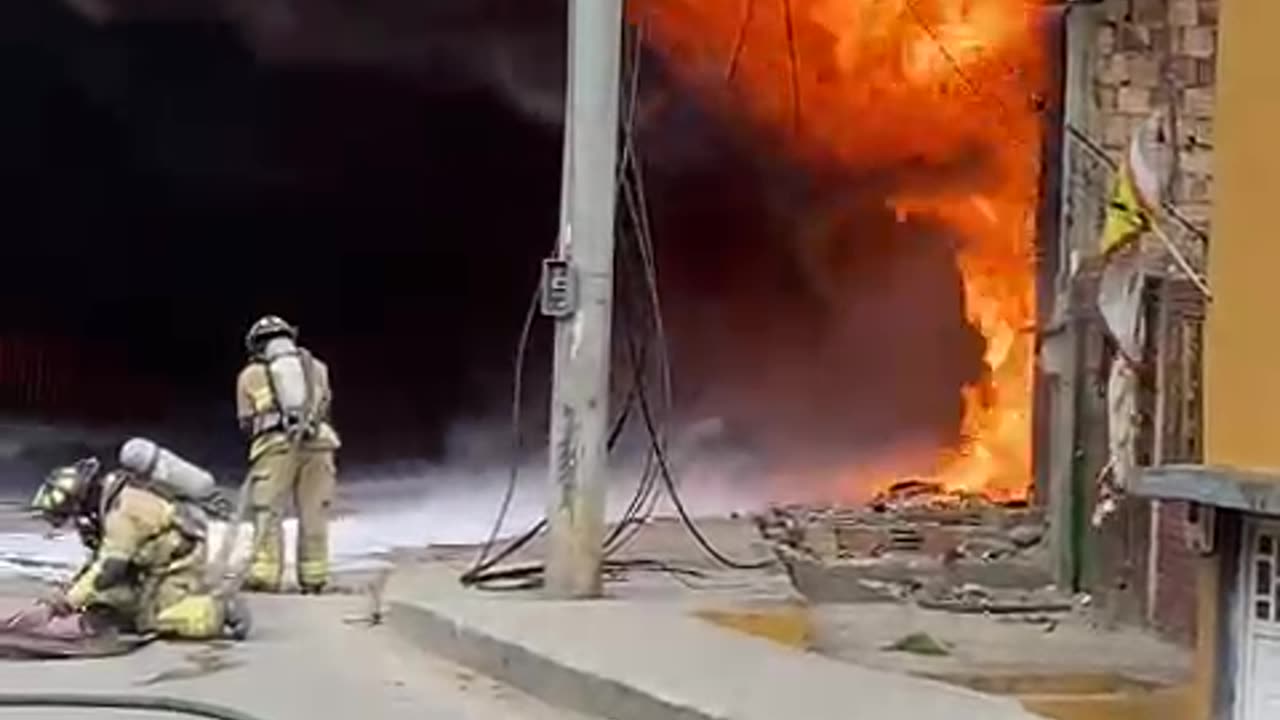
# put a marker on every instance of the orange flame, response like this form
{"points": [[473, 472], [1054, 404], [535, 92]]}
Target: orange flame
{"points": [[945, 85]]}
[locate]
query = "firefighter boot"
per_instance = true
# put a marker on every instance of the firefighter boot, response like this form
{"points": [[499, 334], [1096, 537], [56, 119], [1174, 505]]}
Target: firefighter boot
{"points": [[237, 621]]}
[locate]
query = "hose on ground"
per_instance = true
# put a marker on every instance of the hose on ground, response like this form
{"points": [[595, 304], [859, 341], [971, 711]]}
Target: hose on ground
{"points": [[152, 703]]}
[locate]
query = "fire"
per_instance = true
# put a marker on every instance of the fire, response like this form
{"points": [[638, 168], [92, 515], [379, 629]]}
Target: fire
{"points": [[942, 91]]}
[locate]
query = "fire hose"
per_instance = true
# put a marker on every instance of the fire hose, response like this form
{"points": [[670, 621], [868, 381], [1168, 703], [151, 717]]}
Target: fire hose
{"points": [[152, 703], [229, 579]]}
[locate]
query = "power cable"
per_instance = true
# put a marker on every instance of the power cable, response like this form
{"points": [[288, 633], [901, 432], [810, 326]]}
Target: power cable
{"points": [[648, 492], [793, 63], [484, 562], [665, 472], [638, 211], [633, 192], [643, 500], [529, 576], [517, 398], [480, 570], [1180, 259], [632, 515], [740, 40]]}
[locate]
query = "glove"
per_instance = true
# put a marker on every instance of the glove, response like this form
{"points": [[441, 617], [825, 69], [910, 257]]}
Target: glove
{"points": [[219, 506], [57, 603]]}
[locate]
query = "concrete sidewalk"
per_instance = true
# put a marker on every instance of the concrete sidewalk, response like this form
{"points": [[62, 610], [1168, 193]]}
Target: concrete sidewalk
{"points": [[303, 662], [652, 660]]}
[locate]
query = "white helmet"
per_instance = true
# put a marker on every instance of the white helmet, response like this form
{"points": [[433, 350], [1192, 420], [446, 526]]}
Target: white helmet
{"points": [[266, 328]]}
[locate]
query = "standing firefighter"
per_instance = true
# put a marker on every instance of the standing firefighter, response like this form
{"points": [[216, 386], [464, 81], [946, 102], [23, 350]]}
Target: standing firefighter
{"points": [[282, 403], [147, 569]]}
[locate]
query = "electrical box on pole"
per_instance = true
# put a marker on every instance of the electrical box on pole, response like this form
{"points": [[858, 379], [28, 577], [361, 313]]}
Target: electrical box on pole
{"points": [[559, 288], [578, 292]]}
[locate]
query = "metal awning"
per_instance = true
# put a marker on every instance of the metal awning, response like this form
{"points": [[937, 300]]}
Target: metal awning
{"points": [[1222, 487]]}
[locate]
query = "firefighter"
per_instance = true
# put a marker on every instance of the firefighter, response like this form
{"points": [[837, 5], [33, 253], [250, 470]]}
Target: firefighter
{"points": [[146, 572], [282, 404]]}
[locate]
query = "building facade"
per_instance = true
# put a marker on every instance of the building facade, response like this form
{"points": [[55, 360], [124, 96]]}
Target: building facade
{"points": [[1125, 61], [1195, 548]]}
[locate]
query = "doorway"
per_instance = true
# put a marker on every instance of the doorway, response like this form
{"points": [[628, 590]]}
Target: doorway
{"points": [[1258, 678]]}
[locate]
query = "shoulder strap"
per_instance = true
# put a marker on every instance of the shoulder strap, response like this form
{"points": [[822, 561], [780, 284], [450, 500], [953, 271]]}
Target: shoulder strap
{"points": [[113, 485], [271, 383], [309, 379]]}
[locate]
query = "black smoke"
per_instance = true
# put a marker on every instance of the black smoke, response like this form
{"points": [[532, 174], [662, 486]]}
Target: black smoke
{"points": [[386, 175]]}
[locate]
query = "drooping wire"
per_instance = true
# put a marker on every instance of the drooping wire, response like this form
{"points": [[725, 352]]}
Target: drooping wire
{"points": [[484, 562], [631, 185], [793, 63], [740, 39], [1184, 264], [668, 481], [649, 490], [638, 212], [517, 398], [644, 500], [634, 192], [633, 515], [648, 493], [951, 59]]}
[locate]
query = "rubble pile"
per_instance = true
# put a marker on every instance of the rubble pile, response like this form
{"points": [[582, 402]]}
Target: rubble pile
{"points": [[918, 542]]}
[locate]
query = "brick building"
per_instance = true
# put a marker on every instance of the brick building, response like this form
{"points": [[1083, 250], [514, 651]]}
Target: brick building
{"points": [[1125, 60], [1195, 550]]}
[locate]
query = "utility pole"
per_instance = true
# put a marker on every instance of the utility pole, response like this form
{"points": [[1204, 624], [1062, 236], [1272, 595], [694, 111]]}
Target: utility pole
{"points": [[578, 290]]}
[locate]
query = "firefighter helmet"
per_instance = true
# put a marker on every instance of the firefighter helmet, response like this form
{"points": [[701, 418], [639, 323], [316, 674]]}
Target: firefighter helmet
{"points": [[266, 328], [64, 490]]}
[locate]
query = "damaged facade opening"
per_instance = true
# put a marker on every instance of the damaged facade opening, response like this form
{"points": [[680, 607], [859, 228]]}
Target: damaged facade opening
{"points": [[907, 126]]}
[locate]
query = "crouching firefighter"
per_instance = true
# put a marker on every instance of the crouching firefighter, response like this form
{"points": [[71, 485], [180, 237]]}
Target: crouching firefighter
{"points": [[146, 572], [283, 398]]}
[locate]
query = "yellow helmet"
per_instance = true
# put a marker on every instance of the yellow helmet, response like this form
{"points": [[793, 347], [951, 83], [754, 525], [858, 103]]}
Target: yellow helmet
{"points": [[64, 489]]}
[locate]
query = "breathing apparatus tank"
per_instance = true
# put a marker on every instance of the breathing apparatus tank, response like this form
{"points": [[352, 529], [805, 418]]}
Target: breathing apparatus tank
{"points": [[288, 380], [166, 471]]}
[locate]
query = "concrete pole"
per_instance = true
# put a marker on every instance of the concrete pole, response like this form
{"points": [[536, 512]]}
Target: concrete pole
{"points": [[580, 385]]}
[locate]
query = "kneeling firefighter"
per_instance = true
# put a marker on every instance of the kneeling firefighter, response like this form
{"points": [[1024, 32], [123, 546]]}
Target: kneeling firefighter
{"points": [[147, 537], [283, 398]]}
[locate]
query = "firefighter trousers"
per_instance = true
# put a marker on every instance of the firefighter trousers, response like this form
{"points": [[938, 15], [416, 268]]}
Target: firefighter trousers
{"points": [[172, 600], [309, 476]]}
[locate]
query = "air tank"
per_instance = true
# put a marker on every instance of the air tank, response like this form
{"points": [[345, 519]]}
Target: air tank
{"points": [[288, 378], [166, 470]]}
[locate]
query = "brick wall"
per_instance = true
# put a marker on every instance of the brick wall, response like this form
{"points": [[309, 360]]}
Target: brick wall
{"points": [[1134, 57], [1160, 55], [1175, 597]]}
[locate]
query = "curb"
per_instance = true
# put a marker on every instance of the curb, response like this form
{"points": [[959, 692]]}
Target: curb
{"points": [[556, 683]]}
